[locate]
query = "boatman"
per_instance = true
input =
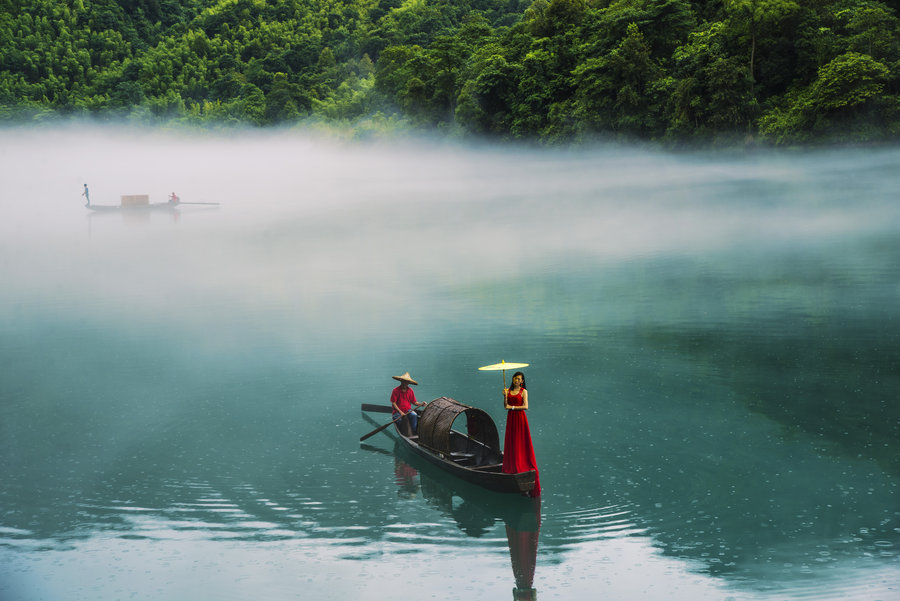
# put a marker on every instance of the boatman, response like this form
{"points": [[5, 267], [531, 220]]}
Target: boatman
{"points": [[402, 400], [87, 196]]}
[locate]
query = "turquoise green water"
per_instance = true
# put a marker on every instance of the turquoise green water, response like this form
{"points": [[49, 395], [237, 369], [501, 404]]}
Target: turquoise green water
{"points": [[713, 345]]}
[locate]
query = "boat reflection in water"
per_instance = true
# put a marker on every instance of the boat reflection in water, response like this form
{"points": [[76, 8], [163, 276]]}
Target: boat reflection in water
{"points": [[405, 476], [475, 511]]}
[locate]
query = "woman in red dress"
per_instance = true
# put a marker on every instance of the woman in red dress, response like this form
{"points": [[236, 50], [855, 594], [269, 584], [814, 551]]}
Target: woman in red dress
{"points": [[518, 452]]}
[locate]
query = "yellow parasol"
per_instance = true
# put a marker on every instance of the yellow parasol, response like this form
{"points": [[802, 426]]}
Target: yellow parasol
{"points": [[503, 365]]}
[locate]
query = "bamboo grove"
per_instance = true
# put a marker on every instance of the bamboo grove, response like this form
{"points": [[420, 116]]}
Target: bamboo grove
{"points": [[774, 71]]}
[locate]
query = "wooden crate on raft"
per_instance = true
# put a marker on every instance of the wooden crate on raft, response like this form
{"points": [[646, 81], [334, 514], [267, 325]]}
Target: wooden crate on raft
{"points": [[135, 200]]}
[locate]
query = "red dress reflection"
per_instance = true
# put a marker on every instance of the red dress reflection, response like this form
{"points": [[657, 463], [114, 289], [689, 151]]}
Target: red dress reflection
{"points": [[522, 536]]}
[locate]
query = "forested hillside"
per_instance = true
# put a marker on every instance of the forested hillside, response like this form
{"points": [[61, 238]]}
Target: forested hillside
{"points": [[781, 71]]}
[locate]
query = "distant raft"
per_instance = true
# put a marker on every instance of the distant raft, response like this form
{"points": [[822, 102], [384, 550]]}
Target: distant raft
{"points": [[141, 202]]}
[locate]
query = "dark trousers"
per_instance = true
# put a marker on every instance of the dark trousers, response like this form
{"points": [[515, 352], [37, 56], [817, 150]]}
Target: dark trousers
{"points": [[409, 423]]}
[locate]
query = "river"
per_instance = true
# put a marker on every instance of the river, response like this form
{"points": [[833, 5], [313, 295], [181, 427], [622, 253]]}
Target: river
{"points": [[713, 343]]}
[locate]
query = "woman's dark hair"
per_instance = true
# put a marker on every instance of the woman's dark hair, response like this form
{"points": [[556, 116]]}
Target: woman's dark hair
{"points": [[518, 373]]}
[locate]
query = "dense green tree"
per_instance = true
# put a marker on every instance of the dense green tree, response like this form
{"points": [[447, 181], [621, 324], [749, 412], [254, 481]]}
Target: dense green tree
{"points": [[615, 92], [871, 29], [664, 24], [710, 88], [847, 82], [485, 100], [286, 101], [755, 19], [790, 70], [839, 102]]}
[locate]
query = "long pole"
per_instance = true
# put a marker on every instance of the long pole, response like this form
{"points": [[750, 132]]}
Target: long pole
{"points": [[379, 429]]}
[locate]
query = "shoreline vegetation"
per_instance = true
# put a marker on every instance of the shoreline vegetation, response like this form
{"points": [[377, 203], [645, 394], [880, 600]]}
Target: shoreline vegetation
{"points": [[671, 72]]}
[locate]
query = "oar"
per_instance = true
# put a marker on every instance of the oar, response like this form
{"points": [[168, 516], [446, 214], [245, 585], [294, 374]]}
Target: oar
{"points": [[379, 429], [368, 407]]}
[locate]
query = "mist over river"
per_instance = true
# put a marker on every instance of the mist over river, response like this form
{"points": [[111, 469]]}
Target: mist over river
{"points": [[713, 343]]}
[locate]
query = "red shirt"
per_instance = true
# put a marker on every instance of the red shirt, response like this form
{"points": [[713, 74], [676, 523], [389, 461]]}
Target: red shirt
{"points": [[403, 399]]}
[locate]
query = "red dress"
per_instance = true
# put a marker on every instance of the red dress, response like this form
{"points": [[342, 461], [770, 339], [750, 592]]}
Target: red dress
{"points": [[518, 452]]}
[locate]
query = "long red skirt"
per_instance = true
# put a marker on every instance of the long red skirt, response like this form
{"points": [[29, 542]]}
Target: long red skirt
{"points": [[518, 452]]}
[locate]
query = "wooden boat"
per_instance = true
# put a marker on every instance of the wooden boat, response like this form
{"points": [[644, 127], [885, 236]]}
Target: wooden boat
{"points": [[474, 455], [156, 206], [141, 202]]}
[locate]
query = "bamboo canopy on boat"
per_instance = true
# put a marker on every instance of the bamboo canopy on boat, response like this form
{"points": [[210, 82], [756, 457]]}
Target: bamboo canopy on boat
{"points": [[437, 421]]}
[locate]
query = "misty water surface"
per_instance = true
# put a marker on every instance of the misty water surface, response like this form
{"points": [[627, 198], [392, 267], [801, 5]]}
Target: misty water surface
{"points": [[713, 339]]}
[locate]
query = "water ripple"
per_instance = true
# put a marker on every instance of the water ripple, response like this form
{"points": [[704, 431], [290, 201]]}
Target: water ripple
{"points": [[596, 523]]}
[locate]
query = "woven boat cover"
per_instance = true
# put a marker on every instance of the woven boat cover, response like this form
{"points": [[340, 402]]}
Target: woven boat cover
{"points": [[438, 417]]}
